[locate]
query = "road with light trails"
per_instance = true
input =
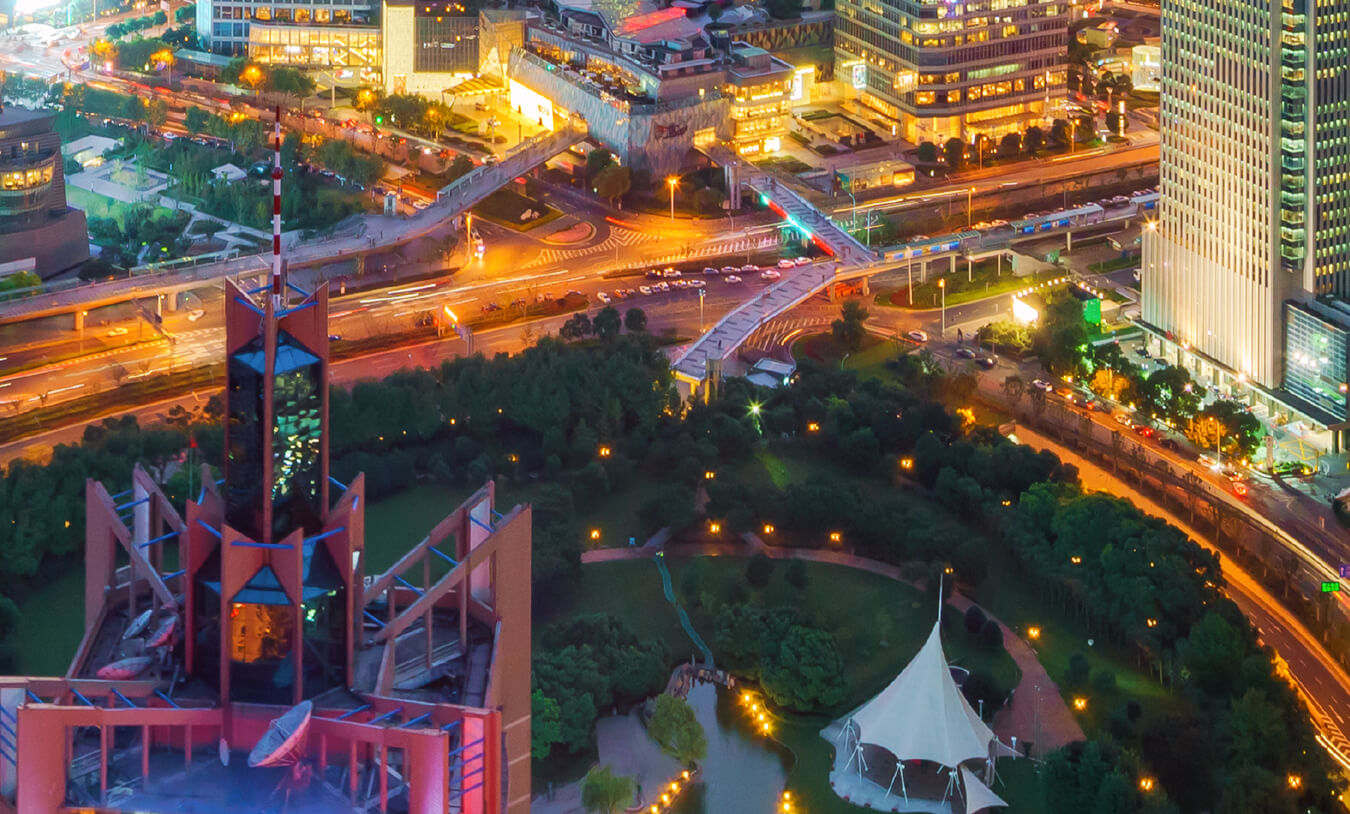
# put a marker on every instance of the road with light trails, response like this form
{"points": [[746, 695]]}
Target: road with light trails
{"points": [[1003, 179]]}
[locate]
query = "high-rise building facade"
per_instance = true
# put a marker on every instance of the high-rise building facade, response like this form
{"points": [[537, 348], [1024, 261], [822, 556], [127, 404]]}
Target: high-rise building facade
{"points": [[937, 69], [38, 231], [1255, 178]]}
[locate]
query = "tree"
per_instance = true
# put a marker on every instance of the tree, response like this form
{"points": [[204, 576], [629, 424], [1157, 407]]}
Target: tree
{"points": [[1033, 139], [759, 570], [1010, 146], [612, 182], [785, 9], [603, 792], [578, 326], [954, 151], [597, 160], [805, 673], [1061, 338], [715, 12], [848, 330], [545, 725], [796, 575], [674, 726], [635, 320], [927, 153], [1059, 133], [709, 200], [607, 323], [196, 120], [1227, 423]]}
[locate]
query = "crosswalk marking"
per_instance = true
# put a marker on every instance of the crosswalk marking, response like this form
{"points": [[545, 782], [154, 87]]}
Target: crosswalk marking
{"points": [[617, 237]]}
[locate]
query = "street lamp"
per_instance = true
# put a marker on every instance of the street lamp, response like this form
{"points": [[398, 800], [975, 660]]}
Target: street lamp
{"points": [[672, 182], [164, 56], [252, 74], [942, 286]]}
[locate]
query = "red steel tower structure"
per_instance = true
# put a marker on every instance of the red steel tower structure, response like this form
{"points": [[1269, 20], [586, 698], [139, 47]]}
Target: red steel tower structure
{"points": [[203, 626]]}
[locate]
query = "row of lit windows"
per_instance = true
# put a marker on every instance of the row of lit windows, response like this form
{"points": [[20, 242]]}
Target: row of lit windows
{"points": [[25, 179]]}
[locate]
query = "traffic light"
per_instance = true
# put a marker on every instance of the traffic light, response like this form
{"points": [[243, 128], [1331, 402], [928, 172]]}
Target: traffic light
{"points": [[379, 120]]}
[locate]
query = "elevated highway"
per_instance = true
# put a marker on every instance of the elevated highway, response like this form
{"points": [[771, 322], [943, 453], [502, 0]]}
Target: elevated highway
{"points": [[457, 197]]}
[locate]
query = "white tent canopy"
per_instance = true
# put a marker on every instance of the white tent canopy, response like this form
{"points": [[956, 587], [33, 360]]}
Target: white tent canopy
{"points": [[978, 795], [922, 715]]}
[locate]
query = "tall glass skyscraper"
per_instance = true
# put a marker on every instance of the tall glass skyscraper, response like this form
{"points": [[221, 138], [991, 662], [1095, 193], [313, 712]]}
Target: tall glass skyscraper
{"points": [[1255, 177]]}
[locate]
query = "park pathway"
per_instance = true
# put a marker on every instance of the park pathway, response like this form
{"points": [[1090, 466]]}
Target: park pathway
{"points": [[1036, 712]]}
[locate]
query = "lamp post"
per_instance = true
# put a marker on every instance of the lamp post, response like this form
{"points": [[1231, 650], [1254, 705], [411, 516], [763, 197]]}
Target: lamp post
{"points": [[701, 293], [942, 286], [672, 182], [970, 192], [909, 272]]}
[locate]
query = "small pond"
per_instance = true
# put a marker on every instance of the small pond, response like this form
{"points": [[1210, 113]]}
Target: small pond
{"points": [[743, 772]]}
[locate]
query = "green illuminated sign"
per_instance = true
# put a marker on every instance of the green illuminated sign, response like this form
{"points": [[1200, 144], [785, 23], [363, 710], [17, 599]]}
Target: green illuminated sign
{"points": [[1331, 587]]}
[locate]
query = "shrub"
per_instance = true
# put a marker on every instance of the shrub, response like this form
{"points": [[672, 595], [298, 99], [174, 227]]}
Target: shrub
{"points": [[1104, 681], [1079, 671], [991, 635], [975, 620], [759, 570]]}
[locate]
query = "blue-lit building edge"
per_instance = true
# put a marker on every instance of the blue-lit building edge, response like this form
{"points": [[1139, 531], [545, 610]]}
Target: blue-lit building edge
{"points": [[1315, 359]]}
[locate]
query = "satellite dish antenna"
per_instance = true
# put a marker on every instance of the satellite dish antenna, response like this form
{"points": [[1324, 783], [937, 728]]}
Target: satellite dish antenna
{"points": [[284, 740]]}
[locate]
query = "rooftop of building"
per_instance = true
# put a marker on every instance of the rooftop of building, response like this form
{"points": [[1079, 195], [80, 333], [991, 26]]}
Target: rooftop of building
{"points": [[16, 122], [203, 58], [508, 15]]}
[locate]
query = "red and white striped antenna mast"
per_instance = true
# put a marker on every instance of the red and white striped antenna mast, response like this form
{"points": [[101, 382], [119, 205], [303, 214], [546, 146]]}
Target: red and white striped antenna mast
{"points": [[278, 267]]}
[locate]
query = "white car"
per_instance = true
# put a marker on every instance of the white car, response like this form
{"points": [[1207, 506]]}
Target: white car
{"points": [[769, 274], [644, 290], [196, 315], [662, 286], [697, 284], [802, 261], [709, 270], [918, 336], [671, 271], [119, 332], [681, 283], [603, 297], [733, 279], [1043, 385], [729, 269], [750, 268], [786, 264]]}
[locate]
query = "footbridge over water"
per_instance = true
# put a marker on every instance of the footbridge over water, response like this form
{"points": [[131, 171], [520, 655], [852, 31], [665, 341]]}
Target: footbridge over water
{"points": [[451, 201]]}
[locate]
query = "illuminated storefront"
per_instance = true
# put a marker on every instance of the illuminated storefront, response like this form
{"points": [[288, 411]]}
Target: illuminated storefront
{"points": [[529, 103], [317, 47], [759, 88]]}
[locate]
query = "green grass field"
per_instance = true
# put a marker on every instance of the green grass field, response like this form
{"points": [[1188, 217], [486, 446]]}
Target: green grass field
{"points": [[95, 205], [985, 281]]}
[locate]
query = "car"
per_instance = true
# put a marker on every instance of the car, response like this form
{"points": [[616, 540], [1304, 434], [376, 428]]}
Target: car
{"points": [[645, 290], [801, 261], [672, 272], [732, 279], [749, 268], [490, 307], [119, 332], [997, 223], [709, 270], [420, 205], [696, 283], [620, 293], [196, 315], [965, 353], [1142, 353], [1124, 418], [917, 336], [603, 297], [786, 264], [1239, 488], [1294, 468], [662, 286], [729, 269], [1205, 460], [519, 303], [654, 274], [769, 274], [1042, 385], [492, 159], [681, 283], [986, 362], [1144, 431], [1169, 444], [335, 337]]}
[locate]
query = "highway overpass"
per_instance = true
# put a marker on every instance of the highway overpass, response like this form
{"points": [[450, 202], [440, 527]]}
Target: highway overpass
{"points": [[454, 199]]}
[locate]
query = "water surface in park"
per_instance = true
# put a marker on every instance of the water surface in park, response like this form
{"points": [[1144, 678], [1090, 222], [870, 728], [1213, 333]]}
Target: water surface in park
{"points": [[742, 772]]}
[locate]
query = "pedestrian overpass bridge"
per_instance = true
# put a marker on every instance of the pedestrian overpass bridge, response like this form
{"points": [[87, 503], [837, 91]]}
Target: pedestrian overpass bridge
{"points": [[451, 201]]}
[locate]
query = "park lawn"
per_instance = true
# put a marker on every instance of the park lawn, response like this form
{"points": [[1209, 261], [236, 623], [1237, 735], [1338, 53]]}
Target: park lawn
{"points": [[53, 625], [95, 205], [985, 281], [630, 589], [616, 516], [824, 348], [871, 362], [504, 207]]}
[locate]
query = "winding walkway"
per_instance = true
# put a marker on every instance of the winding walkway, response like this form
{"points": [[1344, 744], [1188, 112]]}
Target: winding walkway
{"points": [[1040, 716]]}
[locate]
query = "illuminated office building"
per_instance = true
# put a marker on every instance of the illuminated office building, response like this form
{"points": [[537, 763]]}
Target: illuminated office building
{"points": [[1255, 188], [331, 33], [936, 69]]}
